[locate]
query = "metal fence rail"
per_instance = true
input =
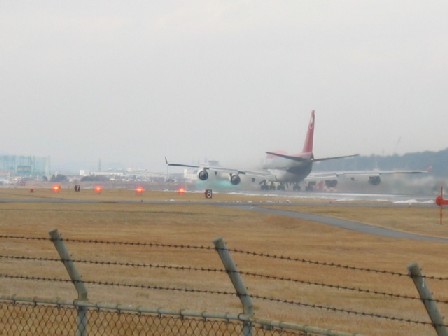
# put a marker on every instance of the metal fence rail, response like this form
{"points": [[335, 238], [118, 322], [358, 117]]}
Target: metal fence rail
{"points": [[83, 318], [24, 316]]}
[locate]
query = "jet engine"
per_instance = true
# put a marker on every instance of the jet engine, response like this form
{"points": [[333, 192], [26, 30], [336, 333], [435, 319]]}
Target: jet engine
{"points": [[235, 179], [374, 180], [203, 175]]}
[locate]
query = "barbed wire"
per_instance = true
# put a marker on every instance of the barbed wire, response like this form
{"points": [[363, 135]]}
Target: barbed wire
{"points": [[330, 264], [23, 237], [342, 310], [116, 263], [217, 270], [204, 291], [116, 284], [208, 269], [250, 253], [338, 287], [95, 241], [314, 262]]}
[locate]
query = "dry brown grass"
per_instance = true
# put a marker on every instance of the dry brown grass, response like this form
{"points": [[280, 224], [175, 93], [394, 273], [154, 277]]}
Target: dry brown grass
{"points": [[197, 224], [413, 219]]}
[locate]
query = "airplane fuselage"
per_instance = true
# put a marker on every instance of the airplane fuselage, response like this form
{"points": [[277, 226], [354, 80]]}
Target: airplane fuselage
{"points": [[279, 166], [289, 171]]}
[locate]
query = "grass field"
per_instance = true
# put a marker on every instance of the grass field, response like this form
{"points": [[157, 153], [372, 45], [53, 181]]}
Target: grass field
{"points": [[159, 217]]}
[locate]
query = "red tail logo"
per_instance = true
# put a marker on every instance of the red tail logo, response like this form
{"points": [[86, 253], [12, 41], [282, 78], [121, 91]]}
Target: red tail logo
{"points": [[308, 146]]}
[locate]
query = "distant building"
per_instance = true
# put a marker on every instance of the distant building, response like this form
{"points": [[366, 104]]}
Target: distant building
{"points": [[24, 166]]}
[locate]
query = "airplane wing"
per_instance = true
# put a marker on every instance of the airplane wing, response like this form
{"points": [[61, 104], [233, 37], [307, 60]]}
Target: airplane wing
{"points": [[337, 174], [233, 173], [216, 168], [373, 177], [381, 172]]}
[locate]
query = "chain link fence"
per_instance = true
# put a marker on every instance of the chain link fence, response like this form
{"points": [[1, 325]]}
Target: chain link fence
{"points": [[82, 317], [32, 317]]}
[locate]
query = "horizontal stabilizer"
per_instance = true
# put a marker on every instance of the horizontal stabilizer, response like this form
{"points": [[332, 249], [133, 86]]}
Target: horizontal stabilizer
{"points": [[299, 158], [335, 157], [289, 157]]}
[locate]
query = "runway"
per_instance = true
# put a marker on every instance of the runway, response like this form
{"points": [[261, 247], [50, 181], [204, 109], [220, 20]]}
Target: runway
{"points": [[346, 224], [350, 197], [324, 199], [347, 199]]}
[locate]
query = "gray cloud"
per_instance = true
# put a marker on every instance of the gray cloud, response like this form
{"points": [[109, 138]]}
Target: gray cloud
{"points": [[133, 82]]}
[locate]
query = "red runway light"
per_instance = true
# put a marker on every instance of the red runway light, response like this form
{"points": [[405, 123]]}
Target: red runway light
{"points": [[440, 201], [56, 188], [98, 189], [181, 191], [139, 190]]}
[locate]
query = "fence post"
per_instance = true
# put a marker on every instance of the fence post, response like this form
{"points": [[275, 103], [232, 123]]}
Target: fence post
{"points": [[76, 279], [428, 301], [238, 284]]}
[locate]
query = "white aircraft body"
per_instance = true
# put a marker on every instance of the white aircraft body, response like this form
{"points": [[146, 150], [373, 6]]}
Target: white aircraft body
{"points": [[281, 170]]}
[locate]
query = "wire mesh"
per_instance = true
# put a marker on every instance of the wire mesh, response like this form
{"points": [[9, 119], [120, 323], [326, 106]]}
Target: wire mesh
{"points": [[19, 318]]}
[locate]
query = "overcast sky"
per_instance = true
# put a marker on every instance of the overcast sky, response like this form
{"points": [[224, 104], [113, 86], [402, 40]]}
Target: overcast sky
{"points": [[131, 82]]}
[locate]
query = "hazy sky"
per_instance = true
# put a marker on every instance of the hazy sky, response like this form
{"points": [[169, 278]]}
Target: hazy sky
{"points": [[133, 81]]}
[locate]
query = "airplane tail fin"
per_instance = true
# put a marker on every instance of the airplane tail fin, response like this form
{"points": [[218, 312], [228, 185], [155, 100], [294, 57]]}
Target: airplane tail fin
{"points": [[308, 145]]}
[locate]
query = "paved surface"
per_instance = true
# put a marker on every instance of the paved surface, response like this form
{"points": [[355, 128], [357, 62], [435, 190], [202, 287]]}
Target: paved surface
{"points": [[346, 224], [340, 223]]}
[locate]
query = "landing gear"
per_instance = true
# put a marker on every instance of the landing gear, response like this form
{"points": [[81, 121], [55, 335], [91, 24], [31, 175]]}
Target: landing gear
{"points": [[296, 187], [263, 185], [280, 186], [310, 186], [272, 186]]}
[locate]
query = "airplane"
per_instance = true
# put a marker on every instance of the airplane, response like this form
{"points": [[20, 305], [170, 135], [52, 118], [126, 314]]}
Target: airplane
{"points": [[280, 168]]}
